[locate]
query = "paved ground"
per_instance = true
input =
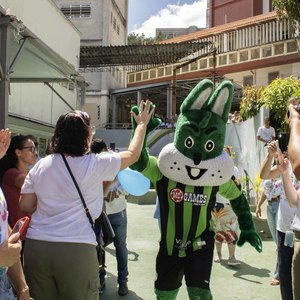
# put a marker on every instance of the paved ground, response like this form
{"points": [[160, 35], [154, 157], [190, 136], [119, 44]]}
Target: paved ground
{"points": [[250, 281]]}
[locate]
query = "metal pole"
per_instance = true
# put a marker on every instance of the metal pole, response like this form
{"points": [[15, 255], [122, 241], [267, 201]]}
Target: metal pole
{"points": [[214, 65], [4, 80], [174, 92]]}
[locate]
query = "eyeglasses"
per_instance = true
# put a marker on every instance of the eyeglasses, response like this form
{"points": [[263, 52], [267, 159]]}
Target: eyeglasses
{"points": [[30, 148]]}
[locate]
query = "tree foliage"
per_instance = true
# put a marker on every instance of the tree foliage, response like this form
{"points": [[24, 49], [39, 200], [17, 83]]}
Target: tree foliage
{"points": [[287, 8], [251, 101], [276, 95], [137, 39]]}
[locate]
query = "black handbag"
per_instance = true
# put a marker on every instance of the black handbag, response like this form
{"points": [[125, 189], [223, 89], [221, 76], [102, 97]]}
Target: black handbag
{"points": [[102, 228]]}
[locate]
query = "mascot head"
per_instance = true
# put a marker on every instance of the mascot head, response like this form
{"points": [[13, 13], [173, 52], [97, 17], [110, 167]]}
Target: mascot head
{"points": [[196, 156]]}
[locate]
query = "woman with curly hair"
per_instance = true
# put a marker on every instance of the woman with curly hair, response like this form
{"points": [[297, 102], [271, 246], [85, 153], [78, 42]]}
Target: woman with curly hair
{"points": [[60, 255]]}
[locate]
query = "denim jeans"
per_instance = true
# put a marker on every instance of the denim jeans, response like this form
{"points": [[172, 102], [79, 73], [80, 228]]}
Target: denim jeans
{"points": [[285, 258], [119, 224], [272, 212], [6, 292]]}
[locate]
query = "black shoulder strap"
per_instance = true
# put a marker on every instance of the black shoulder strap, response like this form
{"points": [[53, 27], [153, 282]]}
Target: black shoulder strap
{"points": [[87, 212]]}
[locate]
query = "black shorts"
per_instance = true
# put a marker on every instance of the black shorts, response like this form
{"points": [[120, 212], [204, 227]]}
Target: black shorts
{"points": [[196, 268]]}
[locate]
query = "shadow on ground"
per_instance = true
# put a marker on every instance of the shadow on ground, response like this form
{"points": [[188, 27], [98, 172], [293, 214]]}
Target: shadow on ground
{"points": [[111, 290], [247, 270], [132, 256]]}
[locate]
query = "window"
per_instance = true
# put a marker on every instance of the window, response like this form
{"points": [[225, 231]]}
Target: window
{"points": [[152, 74], [145, 75], [254, 53], [76, 11], [131, 78], [194, 66], [267, 51], [272, 76], [244, 55], [222, 60], [185, 69], [168, 71], [248, 80], [278, 49], [138, 76], [71, 86], [160, 72], [232, 58], [203, 63], [291, 46]]}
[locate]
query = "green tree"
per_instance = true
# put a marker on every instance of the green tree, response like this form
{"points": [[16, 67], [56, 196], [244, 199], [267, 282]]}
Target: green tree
{"points": [[251, 101], [137, 39], [276, 95], [289, 8]]}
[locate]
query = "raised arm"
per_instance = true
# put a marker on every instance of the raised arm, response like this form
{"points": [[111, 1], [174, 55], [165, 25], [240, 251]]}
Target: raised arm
{"points": [[4, 141], [294, 142], [267, 171], [289, 189], [135, 147]]}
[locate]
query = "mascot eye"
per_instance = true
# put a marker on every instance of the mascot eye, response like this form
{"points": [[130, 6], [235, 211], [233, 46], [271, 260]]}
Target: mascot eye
{"points": [[189, 142], [209, 146]]}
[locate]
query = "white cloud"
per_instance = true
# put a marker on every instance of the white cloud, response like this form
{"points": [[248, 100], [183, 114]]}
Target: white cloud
{"points": [[175, 16]]}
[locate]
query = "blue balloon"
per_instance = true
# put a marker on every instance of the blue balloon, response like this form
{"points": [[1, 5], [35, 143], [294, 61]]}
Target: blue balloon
{"points": [[133, 182]]}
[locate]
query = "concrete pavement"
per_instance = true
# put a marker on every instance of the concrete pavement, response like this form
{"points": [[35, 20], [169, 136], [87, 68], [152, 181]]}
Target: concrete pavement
{"points": [[250, 281]]}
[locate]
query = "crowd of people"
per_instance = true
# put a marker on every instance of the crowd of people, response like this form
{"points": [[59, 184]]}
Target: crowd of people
{"points": [[60, 234]]}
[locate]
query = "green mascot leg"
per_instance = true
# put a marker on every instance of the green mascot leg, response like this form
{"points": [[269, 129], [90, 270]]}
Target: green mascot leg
{"points": [[166, 295], [199, 294]]}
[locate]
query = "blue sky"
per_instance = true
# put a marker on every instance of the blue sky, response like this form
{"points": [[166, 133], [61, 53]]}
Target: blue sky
{"points": [[146, 15]]}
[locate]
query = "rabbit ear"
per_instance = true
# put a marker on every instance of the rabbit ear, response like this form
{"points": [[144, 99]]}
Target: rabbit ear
{"points": [[198, 97], [220, 103]]}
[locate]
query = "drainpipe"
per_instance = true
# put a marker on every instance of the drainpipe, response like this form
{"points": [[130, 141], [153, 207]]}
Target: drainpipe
{"points": [[4, 75]]}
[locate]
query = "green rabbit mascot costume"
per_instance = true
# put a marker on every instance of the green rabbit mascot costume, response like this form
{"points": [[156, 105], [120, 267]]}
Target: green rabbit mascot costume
{"points": [[187, 175]]}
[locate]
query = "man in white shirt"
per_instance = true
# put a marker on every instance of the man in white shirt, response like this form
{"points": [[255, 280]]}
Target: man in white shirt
{"points": [[266, 133]]}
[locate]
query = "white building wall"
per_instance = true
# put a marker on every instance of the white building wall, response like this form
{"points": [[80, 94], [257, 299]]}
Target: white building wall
{"points": [[35, 101], [260, 76], [105, 27], [45, 21]]}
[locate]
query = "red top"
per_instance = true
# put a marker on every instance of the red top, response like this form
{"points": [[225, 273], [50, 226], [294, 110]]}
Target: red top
{"points": [[12, 195]]}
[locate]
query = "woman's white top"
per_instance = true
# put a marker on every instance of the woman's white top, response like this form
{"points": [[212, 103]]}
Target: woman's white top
{"points": [[60, 216], [3, 226], [286, 214]]}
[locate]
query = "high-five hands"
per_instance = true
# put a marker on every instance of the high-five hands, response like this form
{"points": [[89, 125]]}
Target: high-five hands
{"points": [[144, 114], [4, 141]]}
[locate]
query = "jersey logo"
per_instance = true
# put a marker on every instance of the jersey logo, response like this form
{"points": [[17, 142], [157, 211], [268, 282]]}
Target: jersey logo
{"points": [[196, 199], [176, 195]]}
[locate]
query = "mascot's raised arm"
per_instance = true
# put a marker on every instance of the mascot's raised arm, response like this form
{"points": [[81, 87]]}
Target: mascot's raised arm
{"points": [[187, 175]]}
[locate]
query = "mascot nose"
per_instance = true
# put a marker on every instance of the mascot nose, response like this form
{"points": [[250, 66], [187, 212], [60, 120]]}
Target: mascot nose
{"points": [[197, 158]]}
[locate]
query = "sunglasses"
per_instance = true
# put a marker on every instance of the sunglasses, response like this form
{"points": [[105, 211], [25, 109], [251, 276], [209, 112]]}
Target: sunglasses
{"points": [[30, 148]]}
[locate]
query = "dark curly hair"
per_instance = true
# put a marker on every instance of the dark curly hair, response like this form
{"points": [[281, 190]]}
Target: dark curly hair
{"points": [[98, 146], [10, 159], [71, 134]]}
